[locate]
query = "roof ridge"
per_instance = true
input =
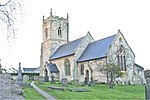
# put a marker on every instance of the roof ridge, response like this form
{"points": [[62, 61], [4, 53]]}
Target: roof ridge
{"points": [[72, 41], [105, 38]]}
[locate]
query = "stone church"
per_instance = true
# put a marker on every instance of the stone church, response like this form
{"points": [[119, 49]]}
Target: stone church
{"points": [[84, 57]]}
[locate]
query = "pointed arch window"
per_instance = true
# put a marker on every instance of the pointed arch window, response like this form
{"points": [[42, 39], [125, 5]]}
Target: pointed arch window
{"points": [[121, 58], [67, 66]]}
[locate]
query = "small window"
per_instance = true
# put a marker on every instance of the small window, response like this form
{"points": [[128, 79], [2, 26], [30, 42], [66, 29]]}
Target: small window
{"points": [[82, 69], [120, 39], [46, 32], [59, 31]]}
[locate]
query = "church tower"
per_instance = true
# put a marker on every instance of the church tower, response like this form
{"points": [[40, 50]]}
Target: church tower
{"points": [[55, 33]]}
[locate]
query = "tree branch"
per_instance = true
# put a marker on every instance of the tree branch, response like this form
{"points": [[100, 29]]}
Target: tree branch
{"points": [[9, 19], [5, 3]]}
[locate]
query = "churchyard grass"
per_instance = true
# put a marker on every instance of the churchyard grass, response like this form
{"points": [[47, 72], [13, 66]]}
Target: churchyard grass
{"points": [[99, 91], [31, 94]]}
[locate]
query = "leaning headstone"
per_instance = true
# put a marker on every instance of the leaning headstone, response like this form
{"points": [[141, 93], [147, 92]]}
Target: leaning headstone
{"points": [[41, 79], [64, 82], [20, 73]]}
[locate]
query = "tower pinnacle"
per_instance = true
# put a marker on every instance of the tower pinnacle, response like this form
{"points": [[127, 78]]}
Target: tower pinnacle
{"points": [[43, 18], [51, 12], [119, 31]]}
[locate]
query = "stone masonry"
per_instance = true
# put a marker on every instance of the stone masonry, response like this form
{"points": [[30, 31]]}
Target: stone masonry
{"points": [[55, 34], [8, 89]]}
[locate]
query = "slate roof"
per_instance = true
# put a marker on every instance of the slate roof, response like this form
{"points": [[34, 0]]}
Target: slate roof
{"points": [[53, 68], [97, 49], [29, 69], [66, 49]]}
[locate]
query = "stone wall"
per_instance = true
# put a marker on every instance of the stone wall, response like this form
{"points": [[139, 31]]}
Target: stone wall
{"points": [[130, 61], [79, 50], [139, 78], [8, 89], [95, 68], [60, 64], [82, 46]]}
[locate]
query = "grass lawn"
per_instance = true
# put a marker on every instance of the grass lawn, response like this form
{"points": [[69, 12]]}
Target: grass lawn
{"points": [[99, 91], [31, 94]]}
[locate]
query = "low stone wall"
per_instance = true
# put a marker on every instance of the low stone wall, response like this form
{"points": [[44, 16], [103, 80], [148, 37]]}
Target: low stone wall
{"points": [[8, 89]]}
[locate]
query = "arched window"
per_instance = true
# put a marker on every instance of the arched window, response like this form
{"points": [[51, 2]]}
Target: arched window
{"points": [[59, 31], [121, 58], [82, 69], [67, 66]]}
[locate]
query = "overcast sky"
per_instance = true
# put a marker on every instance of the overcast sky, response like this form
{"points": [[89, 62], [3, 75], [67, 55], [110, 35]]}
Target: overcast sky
{"points": [[101, 17]]}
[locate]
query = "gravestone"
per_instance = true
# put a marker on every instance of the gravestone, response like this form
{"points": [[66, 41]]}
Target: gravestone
{"points": [[91, 83], [86, 81], [64, 82], [41, 79], [36, 78], [147, 92], [52, 79], [46, 79], [20, 79], [46, 76], [25, 78], [147, 89], [0, 67]]}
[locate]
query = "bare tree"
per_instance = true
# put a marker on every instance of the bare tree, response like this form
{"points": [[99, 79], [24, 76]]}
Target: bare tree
{"points": [[113, 70], [8, 14]]}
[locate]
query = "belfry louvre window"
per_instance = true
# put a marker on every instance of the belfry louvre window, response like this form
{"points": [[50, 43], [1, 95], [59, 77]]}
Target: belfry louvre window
{"points": [[67, 66], [121, 59], [59, 31]]}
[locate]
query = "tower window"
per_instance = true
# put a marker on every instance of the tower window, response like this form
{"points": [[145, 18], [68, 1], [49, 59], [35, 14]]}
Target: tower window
{"points": [[120, 39], [46, 32], [59, 31]]}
